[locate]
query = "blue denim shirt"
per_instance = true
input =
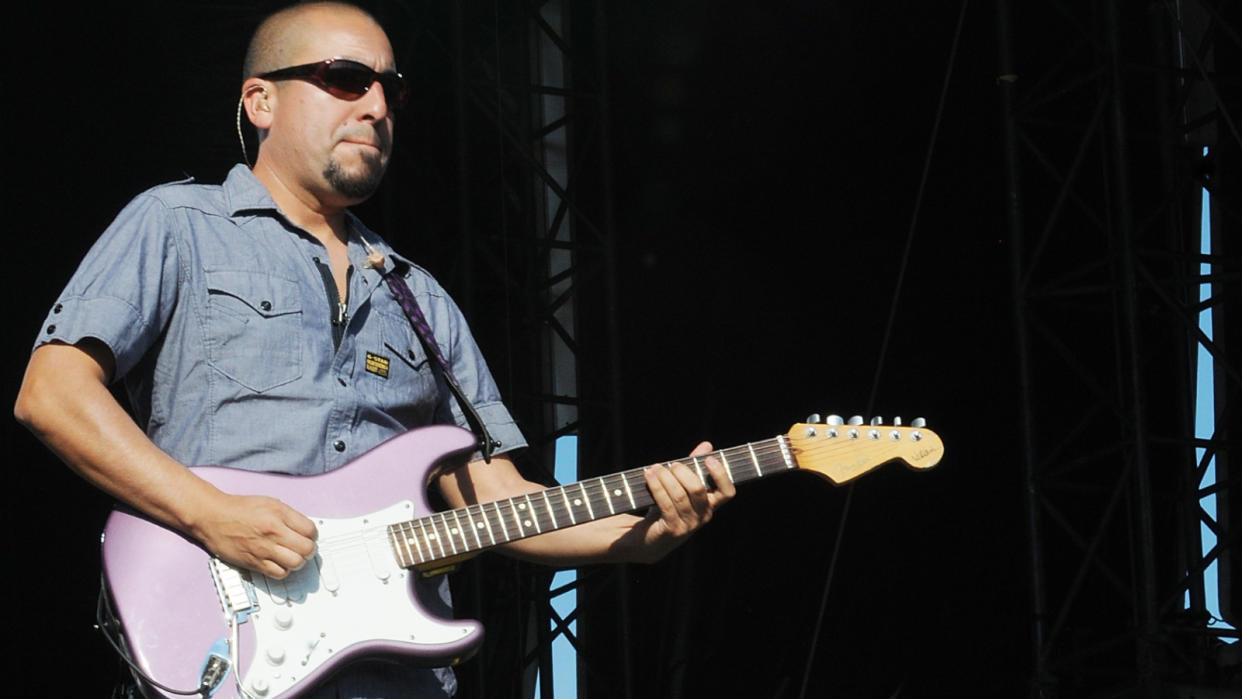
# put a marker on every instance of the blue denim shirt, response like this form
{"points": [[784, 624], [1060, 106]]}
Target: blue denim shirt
{"points": [[216, 313]]}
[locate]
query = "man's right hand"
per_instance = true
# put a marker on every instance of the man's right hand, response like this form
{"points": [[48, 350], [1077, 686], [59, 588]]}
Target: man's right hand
{"points": [[256, 532]]}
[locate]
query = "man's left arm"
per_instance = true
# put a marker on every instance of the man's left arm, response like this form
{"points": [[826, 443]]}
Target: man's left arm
{"points": [[683, 504]]}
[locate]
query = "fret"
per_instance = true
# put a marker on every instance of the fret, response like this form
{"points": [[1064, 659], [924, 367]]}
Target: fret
{"points": [[698, 468], [504, 528], [412, 555], [754, 459], [430, 522], [587, 499], [474, 528], [402, 530], [487, 522], [396, 549], [629, 493], [724, 461], [534, 516], [569, 508], [446, 532], [461, 531], [603, 487], [551, 515], [440, 533], [517, 519], [412, 534]]}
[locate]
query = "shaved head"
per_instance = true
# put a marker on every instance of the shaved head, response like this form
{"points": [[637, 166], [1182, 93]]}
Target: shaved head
{"points": [[286, 32]]}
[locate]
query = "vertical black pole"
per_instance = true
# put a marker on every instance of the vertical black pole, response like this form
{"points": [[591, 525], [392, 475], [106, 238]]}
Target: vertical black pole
{"points": [[608, 227], [1128, 291], [1041, 685]]}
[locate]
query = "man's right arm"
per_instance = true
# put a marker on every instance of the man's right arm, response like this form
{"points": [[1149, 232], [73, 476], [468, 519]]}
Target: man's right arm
{"points": [[64, 400]]}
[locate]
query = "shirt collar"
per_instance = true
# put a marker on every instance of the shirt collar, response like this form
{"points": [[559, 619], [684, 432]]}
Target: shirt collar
{"points": [[244, 192]]}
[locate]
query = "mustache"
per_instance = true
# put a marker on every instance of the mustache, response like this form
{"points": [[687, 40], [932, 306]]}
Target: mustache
{"points": [[381, 138]]}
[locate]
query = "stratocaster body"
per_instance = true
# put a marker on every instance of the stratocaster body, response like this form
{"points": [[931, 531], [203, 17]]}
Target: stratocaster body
{"points": [[173, 600]]}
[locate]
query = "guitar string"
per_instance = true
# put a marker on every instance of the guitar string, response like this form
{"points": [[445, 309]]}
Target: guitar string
{"points": [[769, 455], [492, 510], [378, 535]]}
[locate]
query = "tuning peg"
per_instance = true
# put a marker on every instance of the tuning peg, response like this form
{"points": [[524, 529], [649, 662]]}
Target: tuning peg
{"points": [[918, 422], [835, 420], [856, 420], [876, 421], [815, 419], [896, 422]]}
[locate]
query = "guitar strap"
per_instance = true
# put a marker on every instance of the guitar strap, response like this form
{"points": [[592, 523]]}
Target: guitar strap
{"points": [[405, 298]]}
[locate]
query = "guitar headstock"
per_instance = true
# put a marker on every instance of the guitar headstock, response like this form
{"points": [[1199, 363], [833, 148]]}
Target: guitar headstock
{"points": [[843, 450]]}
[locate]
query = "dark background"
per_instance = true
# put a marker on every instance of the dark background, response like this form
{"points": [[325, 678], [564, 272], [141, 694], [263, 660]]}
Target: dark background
{"points": [[767, 162]]}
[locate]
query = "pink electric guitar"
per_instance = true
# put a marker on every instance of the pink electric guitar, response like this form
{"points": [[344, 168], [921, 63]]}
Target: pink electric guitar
{"points": [[193, 623]]}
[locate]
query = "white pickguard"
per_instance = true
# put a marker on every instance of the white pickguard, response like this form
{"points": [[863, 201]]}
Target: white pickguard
{"points": [[352, 592]]}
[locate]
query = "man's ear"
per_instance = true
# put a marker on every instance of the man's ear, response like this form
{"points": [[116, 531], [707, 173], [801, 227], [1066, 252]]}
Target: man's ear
{"points": [[257, 100]]}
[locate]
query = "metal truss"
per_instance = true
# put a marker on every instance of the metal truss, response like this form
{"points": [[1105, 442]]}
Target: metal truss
{"points": [[528, 168], [1106, 118]]}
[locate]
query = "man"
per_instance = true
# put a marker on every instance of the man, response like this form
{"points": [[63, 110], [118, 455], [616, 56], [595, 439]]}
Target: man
{"points": [[241, 317]]}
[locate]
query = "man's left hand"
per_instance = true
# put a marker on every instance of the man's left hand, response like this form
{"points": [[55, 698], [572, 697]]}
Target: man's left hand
{"points": [[683, 503]]}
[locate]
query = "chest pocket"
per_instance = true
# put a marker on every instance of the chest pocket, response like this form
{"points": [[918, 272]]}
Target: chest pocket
{"points": [[399, 379], [254, 328]]}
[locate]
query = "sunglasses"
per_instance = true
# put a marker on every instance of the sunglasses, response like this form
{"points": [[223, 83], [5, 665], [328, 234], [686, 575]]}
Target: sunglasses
{"points": [[344, 79]]}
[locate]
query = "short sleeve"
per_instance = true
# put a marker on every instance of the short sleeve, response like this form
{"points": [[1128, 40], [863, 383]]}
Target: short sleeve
{"points": [[124, 290]]}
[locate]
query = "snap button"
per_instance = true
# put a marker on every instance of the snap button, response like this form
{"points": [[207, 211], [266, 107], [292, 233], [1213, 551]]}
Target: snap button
{"points": [[51, 329], [266, 305], [338, 445], [57, 308]]}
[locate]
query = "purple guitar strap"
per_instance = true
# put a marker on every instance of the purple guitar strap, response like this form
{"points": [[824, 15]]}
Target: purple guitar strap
{"points": [[405, 298]]}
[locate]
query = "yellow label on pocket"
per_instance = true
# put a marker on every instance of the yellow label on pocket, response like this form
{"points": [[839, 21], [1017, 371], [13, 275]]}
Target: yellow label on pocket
{"points": [[377, 365]]}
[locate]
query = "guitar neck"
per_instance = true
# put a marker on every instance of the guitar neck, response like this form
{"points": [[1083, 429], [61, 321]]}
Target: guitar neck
{"points": [[837, 451], [454, 534]]}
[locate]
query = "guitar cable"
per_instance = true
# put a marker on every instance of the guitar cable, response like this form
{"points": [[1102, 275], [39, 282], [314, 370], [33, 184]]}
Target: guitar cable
{"points": [[105, 621]]}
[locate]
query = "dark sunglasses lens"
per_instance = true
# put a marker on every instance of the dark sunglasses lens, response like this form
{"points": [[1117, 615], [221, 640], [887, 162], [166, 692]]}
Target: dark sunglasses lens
{"points": [[349, 80], [394, 89]]}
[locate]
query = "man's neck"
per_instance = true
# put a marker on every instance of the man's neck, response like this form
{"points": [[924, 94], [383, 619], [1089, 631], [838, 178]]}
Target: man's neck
{"points": [[323, 220]]}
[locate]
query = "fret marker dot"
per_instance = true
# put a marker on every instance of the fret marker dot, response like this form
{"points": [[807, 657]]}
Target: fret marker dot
{"points": [[577, 503], [617, 492], [454, 530], [431, 536], [522, 506], [478, 525], [526, 523]]}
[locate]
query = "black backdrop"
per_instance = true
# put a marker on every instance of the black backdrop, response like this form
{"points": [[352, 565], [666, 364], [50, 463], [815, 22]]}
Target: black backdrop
{"points": [[767, 163]]}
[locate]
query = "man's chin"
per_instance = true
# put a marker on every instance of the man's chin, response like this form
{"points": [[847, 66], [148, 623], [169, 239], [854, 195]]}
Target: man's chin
{"points": [[356, 184]]}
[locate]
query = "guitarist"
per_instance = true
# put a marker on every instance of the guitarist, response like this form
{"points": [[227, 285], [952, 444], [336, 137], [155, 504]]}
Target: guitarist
{"points": [[249, 326]]}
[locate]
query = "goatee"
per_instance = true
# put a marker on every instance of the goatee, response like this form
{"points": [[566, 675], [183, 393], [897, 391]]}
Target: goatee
{"points": [[359, 185]]}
